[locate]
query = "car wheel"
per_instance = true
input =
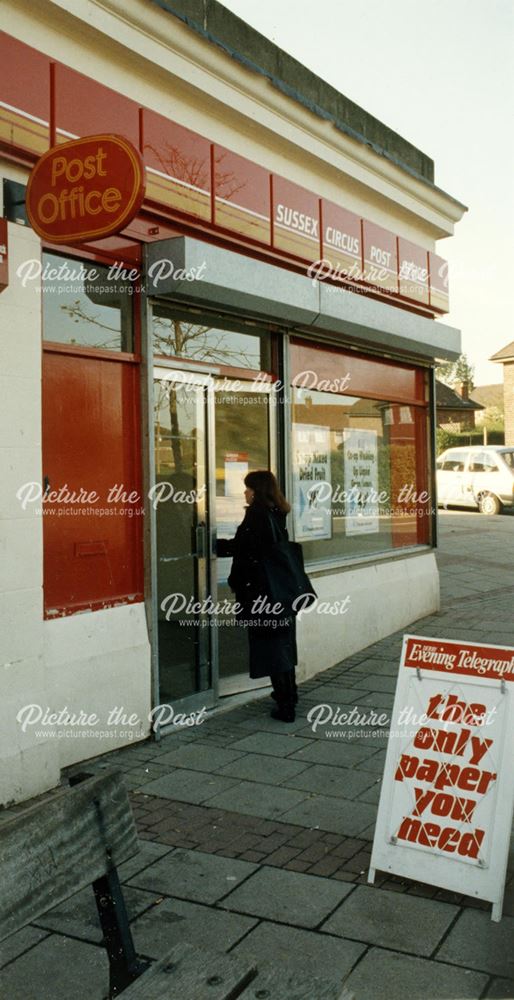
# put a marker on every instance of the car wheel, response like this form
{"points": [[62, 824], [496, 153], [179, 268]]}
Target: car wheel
{"points": [[489, 504]]}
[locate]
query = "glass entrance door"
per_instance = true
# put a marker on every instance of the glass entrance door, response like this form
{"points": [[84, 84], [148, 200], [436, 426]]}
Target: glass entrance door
{"points": [[206, 438], [245, 435], [181, 502]]}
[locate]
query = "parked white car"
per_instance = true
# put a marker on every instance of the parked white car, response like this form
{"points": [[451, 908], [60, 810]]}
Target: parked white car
{"points": [[479, 476]]}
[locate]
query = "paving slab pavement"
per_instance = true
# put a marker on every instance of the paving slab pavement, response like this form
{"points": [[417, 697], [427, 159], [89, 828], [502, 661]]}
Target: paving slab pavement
{"points": [[274, 944], [256, 836]]}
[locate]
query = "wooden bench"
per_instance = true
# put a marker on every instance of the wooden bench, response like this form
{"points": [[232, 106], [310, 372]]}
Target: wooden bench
{"points": [[77, 838]]}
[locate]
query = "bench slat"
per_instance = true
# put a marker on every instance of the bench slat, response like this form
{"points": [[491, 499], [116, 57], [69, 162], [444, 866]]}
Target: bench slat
{"points": [[278, 985], [53, 849], [190, 973]]}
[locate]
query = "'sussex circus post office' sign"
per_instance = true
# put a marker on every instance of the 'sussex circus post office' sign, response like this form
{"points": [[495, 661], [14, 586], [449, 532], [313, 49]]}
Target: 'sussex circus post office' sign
{"points": [[85, 189], [446, 804]]}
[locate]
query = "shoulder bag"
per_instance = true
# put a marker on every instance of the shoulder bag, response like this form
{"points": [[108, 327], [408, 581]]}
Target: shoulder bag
{"points": [[287, 581]]}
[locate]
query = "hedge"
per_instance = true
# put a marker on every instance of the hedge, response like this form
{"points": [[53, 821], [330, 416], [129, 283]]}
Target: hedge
{"points": [[453, 439]]}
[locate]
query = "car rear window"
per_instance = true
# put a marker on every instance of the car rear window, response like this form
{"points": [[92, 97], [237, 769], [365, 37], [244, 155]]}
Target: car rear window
{"points": [[483, 462], [508, 457]]}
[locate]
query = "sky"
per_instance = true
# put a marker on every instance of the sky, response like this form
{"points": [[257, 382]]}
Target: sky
{"points": [[441, 73]]}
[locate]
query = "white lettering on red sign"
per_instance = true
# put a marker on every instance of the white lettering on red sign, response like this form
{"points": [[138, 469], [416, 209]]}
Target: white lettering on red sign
{"points": [[409, 271], [298, 221], [379, 256], [343, 241]]}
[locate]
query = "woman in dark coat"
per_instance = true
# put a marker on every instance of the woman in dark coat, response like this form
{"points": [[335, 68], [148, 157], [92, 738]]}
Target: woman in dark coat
{"points": [[272, 637]]}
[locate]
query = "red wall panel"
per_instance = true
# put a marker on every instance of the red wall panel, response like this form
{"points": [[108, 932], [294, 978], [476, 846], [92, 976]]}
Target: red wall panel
{"points": [[25, 95], [439, 298], [295, 220], [413, 271], [342, 242], [368, 377], [380, 256], [85, 107], [179, 166], [179, 179], [90, 443], [242, 195]]}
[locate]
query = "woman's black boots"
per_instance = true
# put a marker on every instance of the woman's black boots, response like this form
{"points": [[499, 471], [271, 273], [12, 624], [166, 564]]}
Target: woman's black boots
{"points": [[284, 692], [295, 688]]}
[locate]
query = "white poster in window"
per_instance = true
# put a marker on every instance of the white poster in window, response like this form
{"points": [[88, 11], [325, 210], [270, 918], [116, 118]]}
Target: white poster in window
{"points": [[236, 468], [361, 481], [311, 482], [230, 508]]}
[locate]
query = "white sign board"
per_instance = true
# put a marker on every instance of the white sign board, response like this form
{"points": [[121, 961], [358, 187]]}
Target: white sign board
{"points": [[311, 482], [360, 451], [446, 804], [236, 468]]}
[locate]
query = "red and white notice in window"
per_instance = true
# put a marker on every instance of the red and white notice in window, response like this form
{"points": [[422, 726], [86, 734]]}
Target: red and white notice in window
{"points": [[446, 804]]}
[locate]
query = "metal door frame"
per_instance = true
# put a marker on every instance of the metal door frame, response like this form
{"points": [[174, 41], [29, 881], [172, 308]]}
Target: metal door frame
{"points": [[208, 697], [266, 389], [155, 366]]}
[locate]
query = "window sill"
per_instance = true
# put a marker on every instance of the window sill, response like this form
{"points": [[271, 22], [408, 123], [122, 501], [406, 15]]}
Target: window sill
{"points": [[329, 567], [89, 352], [66, 611]]}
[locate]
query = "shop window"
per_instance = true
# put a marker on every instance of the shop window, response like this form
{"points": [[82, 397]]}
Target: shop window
{"points": [[84, 305], [14, 202], [360, 483], [206, 340]]}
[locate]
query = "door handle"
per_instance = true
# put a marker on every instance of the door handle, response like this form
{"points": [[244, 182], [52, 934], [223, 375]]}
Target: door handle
{"points": [[200, 540]]}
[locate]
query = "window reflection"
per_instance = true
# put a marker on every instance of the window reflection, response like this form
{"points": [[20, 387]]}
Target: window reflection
{"points": [[355, 474], [242, 445], [187, 336], [83, 307]]}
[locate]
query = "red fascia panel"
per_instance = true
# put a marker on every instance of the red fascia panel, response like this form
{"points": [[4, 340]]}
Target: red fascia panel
{"points": [[183, 167], [296, 220], [242, 196], [369, 377], [380, 255], [178, 166], [85, 107], [25, 96], [25, 77], [413, 272], [341, 241], [438, 278]]}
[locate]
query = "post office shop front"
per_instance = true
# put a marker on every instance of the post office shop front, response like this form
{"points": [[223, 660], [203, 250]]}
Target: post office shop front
{"points": [[202, 341], [337, 423]]}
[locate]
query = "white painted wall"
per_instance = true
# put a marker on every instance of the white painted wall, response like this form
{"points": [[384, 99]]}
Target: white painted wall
{"points": [[28, 766], [384, 597], [97, 662], [91, 662]]}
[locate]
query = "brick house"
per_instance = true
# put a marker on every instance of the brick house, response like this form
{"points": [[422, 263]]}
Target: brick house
{"points": [[454, 408], [506, 358]]}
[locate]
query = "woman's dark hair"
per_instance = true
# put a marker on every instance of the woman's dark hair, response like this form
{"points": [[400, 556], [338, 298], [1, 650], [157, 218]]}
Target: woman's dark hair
{"points": [[266, 489]]}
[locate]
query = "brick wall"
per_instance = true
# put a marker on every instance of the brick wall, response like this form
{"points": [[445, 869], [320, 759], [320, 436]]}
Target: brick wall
{"points": [[455, 419]]}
